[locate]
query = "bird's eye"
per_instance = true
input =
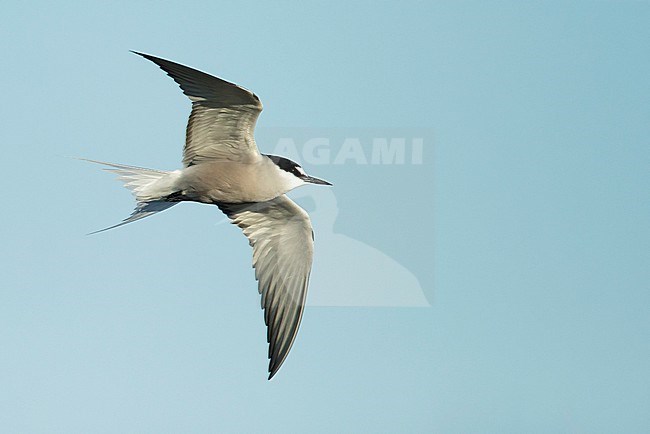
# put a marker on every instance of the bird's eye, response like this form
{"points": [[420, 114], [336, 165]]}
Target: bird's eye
{"points": [[298, 171]]}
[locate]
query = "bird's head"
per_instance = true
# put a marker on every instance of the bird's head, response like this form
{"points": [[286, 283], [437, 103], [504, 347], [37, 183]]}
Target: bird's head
{"points": [[295, 174]]}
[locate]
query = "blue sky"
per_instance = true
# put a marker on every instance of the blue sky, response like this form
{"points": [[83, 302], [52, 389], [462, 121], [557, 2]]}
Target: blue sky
{"points": [[524, 226]]}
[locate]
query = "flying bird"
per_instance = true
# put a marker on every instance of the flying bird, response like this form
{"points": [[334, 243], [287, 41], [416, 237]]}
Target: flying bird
{"points": [[222, 166]]}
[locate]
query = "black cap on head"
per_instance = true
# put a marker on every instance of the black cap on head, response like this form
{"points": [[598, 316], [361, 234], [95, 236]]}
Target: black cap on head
{"points": [[287, 165]]}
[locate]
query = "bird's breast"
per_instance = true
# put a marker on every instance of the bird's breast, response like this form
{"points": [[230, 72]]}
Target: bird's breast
{"points": [[231, 182]]}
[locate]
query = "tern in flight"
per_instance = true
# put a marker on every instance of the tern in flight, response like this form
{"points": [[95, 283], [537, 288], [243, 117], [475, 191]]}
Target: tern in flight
{"points": [[222, 166]]}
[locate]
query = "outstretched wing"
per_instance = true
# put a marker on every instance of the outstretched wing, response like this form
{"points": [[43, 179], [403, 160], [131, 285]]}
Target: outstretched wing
{"points": [[281, 235], [223, 116]]}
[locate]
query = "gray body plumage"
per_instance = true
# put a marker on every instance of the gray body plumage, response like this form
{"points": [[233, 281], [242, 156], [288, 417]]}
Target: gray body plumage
{"points": [[233, 181], [223, 167]]}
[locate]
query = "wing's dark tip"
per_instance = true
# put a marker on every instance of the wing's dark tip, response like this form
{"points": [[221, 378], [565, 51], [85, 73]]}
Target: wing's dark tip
{"points": [[198, 85], [139, 53], [157, 60], [147, 56], [273, 371]]}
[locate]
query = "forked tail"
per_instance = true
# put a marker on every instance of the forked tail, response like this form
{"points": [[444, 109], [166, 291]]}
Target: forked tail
{"points": [[151, 189]]}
